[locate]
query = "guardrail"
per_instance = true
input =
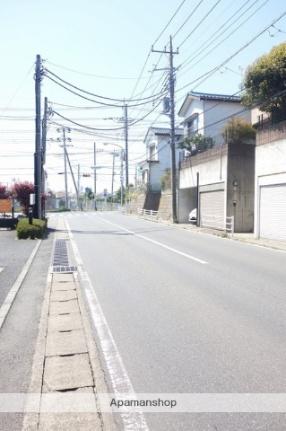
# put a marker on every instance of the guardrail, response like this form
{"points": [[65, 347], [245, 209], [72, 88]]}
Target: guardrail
{"points": [[218, 223], [152, 213]]}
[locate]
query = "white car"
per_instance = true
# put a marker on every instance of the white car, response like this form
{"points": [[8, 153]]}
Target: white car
{"points": [[193, 216]]}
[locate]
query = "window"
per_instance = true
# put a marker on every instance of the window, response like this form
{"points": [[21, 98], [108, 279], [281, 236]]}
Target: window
{"points": [[192, 125], [152, 152]]}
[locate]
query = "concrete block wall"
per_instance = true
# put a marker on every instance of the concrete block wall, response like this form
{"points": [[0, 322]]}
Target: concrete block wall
{"points": [[165, 207]]}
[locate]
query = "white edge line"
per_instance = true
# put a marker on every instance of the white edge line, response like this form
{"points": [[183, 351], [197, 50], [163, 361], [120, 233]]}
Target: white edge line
{"points": [[7, 304], [117, 372], [160, 244]]}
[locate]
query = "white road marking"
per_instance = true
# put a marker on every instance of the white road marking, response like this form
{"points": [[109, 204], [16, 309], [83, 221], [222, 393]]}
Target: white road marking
{"points": [[117, 372], [1, 269], [160, 244]]}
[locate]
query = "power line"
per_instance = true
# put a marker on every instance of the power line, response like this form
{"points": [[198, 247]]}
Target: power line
{"points": [[226, 38], [188, 18], [97, 95], [90, 74], [169, 22], [96, 101], [206, 75], [200, 22]]}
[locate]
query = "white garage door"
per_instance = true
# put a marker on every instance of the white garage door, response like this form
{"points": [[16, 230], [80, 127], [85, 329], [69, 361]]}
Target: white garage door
{"points": [[212, 209], [273, 211]]}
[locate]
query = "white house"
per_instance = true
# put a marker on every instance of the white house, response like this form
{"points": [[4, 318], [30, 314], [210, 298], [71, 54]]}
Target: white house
{"points": [[158, 157], [219, 182], [207, 114], [270, 180]]}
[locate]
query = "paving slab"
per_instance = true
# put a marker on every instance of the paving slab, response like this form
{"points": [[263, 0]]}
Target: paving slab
{"points": [[69, 422], [68, 285], [62, 278], [68, 322], [66, 343], [63, 295], [67, 372], [64, 307]]}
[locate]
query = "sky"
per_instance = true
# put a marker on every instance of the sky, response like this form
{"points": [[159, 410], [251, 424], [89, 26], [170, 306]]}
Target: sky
{"points": [[101, 47]]}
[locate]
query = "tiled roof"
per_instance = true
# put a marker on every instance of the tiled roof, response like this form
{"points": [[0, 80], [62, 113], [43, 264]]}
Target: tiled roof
{"points": [[211, 96]]}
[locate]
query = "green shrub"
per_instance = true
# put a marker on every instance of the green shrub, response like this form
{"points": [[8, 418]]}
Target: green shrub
{"points": [[35, 230]]}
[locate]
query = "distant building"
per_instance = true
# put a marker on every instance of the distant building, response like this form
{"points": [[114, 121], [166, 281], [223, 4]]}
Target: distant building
{"points": [[158, 157]]}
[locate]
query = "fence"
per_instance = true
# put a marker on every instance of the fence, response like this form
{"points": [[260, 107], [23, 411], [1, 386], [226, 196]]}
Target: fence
{"points": [[218, 223], [151, 213]]}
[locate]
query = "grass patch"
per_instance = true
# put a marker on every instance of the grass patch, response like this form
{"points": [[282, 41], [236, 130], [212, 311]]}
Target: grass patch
{"points": [[35, 230]]}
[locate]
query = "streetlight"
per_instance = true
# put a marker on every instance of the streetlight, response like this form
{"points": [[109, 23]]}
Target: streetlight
{"points": [[122, 157]]}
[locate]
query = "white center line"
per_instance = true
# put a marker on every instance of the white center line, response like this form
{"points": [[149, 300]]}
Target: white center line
{"points": [[160, 244]]}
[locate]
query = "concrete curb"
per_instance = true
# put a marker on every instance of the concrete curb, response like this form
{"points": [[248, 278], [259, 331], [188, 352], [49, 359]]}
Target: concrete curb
{"points": [[31, 420], [10, 298]]}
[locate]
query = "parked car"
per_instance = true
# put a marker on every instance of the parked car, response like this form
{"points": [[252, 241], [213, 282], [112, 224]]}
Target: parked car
{"points": [[193, 216]]}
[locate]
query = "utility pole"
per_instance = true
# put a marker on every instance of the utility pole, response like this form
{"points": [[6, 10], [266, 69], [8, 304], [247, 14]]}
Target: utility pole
{"points": [[112, 177], [44, 142], [78, 185], [121, 177], [94, 174], [126, 146], [38, 138], [64, 145], [171, 70], [65, 169], [72, 174]]}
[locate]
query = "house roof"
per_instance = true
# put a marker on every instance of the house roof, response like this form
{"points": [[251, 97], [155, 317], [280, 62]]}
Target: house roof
{"points": [[194, 95], [162, 131]]}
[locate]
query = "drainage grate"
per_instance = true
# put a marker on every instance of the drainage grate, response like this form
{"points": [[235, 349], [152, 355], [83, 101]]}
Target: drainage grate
{"points": [[61, 258]]}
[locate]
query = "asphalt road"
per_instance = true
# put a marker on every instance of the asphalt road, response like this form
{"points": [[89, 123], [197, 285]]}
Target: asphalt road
{"points": [[189, 313], [13, 255]]}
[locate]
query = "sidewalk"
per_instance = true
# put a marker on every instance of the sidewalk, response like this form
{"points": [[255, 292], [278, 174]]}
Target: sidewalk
{"points": [[66, 364], [243, 237]]}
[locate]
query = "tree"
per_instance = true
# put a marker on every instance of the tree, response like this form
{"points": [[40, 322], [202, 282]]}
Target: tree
{"points": [[89, 193], [238, 131], [197, 143], [117, 196], [22, 191], [4, 192], [265, 83]]}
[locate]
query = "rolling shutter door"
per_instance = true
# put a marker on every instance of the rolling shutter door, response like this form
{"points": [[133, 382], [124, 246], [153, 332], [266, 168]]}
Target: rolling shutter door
{"points": [[212, 209], [272, 212]]}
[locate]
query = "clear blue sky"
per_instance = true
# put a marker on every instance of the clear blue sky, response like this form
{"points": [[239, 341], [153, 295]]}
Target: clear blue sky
{"points": [[112, 38]]}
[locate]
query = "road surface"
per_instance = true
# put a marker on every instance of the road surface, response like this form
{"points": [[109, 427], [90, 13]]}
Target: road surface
{"points": [[189, 313]]}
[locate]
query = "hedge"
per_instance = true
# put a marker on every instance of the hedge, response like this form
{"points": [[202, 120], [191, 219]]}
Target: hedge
{"points": [[35, 230]]}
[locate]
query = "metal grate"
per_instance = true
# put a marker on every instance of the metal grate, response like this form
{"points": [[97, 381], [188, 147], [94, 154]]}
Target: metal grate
{"points": [[61, 258]]}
